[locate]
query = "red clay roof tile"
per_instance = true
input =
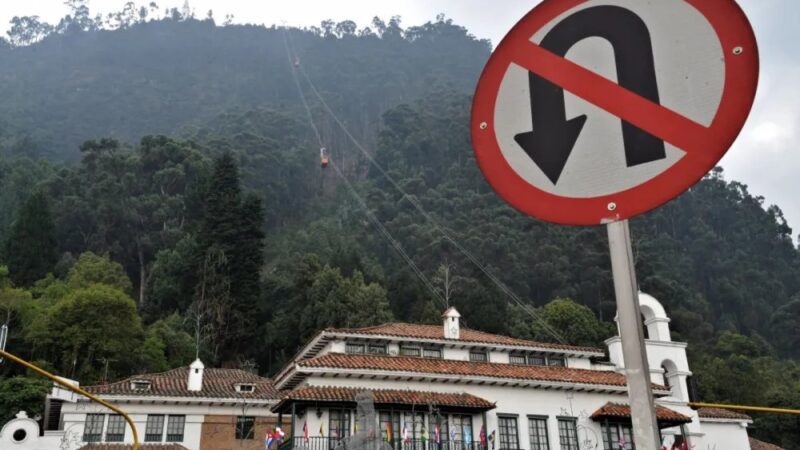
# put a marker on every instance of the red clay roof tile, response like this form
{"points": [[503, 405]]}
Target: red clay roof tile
{"points": [[217, 383], [467, 368], [387, 396], [719, 413], [465, 334], [623, 410]]}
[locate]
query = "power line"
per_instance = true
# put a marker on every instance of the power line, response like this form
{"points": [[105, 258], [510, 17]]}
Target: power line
{"points": [[527, 308], [355, 194]]}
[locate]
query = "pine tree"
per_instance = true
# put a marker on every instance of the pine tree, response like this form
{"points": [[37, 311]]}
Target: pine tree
{"points": [[31, 249], [233, 224]]}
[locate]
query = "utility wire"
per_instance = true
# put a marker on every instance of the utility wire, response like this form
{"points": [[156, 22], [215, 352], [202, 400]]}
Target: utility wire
{"points": [[355, 194], [526, 307]]}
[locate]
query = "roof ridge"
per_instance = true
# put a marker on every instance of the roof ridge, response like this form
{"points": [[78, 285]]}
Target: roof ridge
{"points": [[464, 328]]}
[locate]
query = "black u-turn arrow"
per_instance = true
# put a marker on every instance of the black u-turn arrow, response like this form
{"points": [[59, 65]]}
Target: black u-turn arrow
{"points": [[553, 137]]}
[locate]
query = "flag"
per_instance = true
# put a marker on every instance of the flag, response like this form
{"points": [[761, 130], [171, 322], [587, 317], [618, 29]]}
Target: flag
{"points": [[388, 431], [406, 438], [483, 436], [468, 435], [492, 439], [305, 432], [453, 434], [424, 434], [437, 433], [268, 440], [622, 445], [321, 431], [279, 435]]}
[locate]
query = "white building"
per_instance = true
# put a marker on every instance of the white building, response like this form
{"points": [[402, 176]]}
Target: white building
{"points": [[462, 385], [186, 408]]}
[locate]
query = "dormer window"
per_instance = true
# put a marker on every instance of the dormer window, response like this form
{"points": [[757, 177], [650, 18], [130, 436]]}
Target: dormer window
{"points": [[140, 385], [245, 388]]}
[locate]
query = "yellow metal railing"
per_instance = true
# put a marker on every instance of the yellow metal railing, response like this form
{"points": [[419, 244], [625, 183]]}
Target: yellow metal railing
{"points": [[746, 408], [76, 390]]}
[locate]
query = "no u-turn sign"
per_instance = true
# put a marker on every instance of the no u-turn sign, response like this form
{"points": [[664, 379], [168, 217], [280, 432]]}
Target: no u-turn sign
{"points": [[592, 111]]}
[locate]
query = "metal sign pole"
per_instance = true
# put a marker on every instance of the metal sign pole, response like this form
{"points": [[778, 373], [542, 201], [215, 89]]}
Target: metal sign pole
{"points": [[629, 317]]}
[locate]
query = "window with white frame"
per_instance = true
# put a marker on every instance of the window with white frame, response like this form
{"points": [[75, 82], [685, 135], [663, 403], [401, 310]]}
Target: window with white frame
{"points": [[175, 426], [568, 433], [410, 350], [115, 432], [509, 435], [377, 349], [154, 429], [537, 433], [354, 348], [617, 436], [432, 352], [93, 428]]}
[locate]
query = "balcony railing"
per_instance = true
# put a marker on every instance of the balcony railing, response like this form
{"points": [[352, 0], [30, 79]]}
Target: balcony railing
{"points": [[365, 443]]}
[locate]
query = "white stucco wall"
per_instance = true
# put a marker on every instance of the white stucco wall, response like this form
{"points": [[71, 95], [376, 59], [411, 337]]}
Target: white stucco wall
{"points": [[722, 435], [75, 416]]}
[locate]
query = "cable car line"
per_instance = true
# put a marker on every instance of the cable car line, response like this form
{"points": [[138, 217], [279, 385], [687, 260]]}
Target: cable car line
{"points": [[509, 293], [325, 160]]}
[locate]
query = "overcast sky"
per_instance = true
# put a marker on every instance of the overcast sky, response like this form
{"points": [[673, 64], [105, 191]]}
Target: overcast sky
{"points": [[765, 156]]}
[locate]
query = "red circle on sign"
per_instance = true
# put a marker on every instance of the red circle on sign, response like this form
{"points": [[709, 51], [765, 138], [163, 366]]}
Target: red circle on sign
{"points": [[704, 146]]}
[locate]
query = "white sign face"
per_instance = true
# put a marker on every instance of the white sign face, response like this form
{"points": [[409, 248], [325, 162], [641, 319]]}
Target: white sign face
{"points": [[663, 50]]}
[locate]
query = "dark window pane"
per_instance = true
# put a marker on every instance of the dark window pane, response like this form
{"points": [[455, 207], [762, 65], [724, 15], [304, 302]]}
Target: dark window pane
{"points": [[557, 361], [154, 429], [377, 349], [93, 428], [435, 353], [116, 428], [516, 359], [338, 424], [536, 360], [478, 356], [509, 439], [175, 427], [568, 434], [245, 427], [409, 351], [537, 431], [354, 348]]}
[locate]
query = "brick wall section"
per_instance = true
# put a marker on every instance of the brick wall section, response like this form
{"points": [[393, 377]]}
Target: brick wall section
{"points": [[219, 433]]}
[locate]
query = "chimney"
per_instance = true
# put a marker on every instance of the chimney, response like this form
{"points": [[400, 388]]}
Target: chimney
{"points": [[196, 376], [451, 323]]}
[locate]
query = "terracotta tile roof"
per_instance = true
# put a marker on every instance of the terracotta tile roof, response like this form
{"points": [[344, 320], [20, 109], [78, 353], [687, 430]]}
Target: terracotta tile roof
{"points": [[468, 368], [755, 444], [718, 413], [386, 396], [100, 446], [217, 383], [619, 410], [465, 334]]}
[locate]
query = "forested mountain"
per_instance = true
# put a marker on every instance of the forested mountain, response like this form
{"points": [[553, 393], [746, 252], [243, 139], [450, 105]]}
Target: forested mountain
{"points": [[191, 213]]}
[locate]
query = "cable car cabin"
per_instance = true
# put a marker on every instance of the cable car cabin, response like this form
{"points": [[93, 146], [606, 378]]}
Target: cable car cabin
{"points": [[323, 157], [297, 62]]}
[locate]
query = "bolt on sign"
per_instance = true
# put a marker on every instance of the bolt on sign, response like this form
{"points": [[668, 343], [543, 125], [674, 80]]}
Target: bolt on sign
{"points": [[594, 111]]}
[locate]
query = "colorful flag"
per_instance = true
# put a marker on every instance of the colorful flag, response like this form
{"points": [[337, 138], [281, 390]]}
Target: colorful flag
{"points": [[424, 434], [406, 438], [622, 445], [388, 431], [305, 432], [279, 434], [268, 440], [453, 434], [483, 436], [492, 439], [321, 431], [437, 433]]}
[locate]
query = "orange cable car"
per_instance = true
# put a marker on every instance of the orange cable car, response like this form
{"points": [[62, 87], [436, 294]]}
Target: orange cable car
{"points": [[323, 157]]}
